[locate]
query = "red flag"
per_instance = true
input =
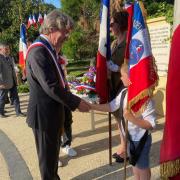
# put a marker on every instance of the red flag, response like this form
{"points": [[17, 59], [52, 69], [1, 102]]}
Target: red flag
{"points": [[129, 8], [102, 55], [170, 148], [142, 73], [22, 46]]}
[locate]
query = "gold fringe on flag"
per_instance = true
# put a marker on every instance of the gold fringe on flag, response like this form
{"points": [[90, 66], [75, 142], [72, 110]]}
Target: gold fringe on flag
{"points": [[147, 92], [169, 169]]}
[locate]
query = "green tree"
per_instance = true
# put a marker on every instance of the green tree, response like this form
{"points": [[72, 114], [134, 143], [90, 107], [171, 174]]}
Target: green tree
{"points": [[160, 8], [72, 8], [84, 39], [12, 13]]}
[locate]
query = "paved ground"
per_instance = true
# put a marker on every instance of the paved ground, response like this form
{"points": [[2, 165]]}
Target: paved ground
{"points": [[18, 160]]}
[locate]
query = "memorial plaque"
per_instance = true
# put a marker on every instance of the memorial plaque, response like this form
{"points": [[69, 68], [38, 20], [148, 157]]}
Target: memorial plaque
{"points": [[160, 32]]}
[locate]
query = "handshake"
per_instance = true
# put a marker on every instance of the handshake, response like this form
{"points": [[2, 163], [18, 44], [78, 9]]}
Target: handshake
{"points": [[84, 106]]}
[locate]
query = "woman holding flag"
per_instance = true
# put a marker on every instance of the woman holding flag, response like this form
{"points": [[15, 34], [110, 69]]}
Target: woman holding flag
{"points": [[118, 27]]}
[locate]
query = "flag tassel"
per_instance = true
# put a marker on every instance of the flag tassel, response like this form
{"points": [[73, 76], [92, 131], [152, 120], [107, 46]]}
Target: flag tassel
{"points": [[169, 169]]}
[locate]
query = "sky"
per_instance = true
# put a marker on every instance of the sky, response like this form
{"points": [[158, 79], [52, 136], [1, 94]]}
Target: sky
{"points": [[56, 3]]}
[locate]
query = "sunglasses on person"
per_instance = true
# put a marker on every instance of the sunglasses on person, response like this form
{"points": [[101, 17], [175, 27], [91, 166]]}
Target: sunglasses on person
{"points": [[112, 24]]}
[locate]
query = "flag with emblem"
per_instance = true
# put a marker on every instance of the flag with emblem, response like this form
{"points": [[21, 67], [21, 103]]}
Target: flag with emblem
{"points": [[103, 53], [142, 72]]}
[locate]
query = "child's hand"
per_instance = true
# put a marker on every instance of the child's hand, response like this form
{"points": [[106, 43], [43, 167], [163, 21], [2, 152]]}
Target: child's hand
{"points": [[90, 105], [128, 115]]}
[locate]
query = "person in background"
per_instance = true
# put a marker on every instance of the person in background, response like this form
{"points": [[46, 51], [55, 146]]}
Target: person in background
{"points": [[48, 93], [8, 81], [139, 128], [5, 79], [11, 94], [66, 137], [118, 27]]}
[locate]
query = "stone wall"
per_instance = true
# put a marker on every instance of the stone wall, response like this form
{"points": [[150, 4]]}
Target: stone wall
{"points": [[160, 32]]}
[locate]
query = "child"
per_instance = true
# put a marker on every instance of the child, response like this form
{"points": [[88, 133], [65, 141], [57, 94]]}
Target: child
{"points": [[137, 126]]}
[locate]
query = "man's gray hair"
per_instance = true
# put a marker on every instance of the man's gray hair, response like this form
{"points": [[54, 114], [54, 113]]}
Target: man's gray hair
{"points": [[56, 20]]}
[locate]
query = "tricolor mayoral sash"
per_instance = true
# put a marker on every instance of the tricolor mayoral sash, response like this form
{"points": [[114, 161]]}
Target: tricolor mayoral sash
{"points": [[44, 43]]}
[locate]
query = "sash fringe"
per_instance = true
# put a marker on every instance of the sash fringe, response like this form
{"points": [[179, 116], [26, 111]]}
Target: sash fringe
{"points": [[169, 169]]}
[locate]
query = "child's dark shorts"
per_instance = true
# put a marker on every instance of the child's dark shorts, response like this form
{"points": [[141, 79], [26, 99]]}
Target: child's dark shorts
{"points": [[143, 161]]}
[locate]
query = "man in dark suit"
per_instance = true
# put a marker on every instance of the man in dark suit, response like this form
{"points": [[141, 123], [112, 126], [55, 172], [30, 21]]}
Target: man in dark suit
{"points": [[48, 94]]}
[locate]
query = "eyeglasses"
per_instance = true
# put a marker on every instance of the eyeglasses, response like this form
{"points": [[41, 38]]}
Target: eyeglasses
{"points": [[112, 24]]}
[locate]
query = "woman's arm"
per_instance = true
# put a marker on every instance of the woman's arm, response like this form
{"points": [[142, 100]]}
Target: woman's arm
{"points": [[142, 123]]}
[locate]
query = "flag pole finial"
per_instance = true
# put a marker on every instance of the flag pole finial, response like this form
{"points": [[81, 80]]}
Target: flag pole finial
{"points": [[20, 14]]}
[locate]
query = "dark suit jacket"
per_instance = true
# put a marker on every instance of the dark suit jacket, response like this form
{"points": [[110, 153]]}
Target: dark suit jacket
{"points": [[7, 72], [47, 96]]}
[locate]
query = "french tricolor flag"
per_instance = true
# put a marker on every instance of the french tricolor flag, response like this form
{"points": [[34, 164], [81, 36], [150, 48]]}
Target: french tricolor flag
{"points": [[22, 46], [40, 18], [45, 15], [30, 22], [34, 22], [142, 73], [103, 53]]}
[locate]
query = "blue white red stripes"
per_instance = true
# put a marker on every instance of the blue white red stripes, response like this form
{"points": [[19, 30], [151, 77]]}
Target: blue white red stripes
{"points": [[22, 46], [103, 53], [35, 44]]}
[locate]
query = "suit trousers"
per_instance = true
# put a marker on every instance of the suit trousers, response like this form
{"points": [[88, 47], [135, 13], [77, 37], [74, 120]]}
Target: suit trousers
{"points": [[48, 146], [15, 99], [3, 95]]}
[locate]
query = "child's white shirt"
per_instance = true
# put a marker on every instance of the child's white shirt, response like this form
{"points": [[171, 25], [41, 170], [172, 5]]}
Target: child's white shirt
{"points": [[149, 114]]}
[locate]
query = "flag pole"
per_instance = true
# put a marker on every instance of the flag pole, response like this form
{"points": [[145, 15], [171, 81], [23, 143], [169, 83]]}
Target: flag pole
{"points": [[20, 14], [125, 155], [115, 5], [108, 82], [110, 140]]}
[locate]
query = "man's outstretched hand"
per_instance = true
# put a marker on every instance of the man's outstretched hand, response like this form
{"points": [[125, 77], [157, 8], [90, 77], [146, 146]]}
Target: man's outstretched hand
{"points": [[84, 106]]}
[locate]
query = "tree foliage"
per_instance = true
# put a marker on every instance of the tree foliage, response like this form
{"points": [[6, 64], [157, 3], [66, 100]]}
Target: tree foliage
{"points": [[12, 13], [84, 39], [160, 8], [83, 42]]}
